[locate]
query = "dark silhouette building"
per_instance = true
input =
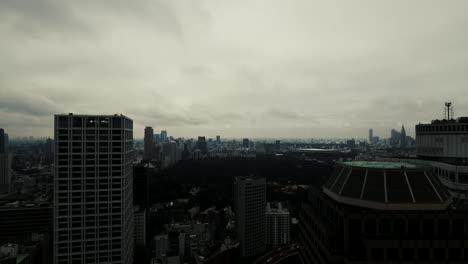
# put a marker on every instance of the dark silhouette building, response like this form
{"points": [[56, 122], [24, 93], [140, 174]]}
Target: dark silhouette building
{"points": [[201, 145], [382, 212]]}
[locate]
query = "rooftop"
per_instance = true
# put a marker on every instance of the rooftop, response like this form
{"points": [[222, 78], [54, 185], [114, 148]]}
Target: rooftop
{"points": [[380, 164], [387, 186]]}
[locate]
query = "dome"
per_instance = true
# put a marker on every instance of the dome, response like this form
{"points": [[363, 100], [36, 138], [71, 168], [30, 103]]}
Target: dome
{"points": [[387, 186]]}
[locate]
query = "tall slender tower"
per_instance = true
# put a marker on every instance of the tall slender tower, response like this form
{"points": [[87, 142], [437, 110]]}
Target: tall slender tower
{"points": [[93, 185], [403, 137], [149, 140], [5, 163], [371, 136], [251, 215]]}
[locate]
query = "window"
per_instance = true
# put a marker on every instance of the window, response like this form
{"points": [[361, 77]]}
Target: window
{"points": [[377, 254], [104, 122], [91, 122], [77, 121], [439, 254], [63, 122], [423, 254], [408, 254], [117, 122]]}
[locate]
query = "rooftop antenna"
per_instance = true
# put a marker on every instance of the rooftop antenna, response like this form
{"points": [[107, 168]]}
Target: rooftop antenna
{"points": [[448, 110]]}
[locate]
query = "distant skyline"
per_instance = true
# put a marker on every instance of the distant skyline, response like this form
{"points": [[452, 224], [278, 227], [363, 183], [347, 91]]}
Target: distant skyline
{"points": [[255, 69]]}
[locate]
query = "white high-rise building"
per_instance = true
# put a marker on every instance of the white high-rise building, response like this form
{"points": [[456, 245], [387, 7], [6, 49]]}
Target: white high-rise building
{"points": [[277, 225], [250, 214], [149, 143], [93, 185]]}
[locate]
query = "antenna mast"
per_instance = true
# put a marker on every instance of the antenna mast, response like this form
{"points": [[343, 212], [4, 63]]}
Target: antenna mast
{"points": [[448, 110]]}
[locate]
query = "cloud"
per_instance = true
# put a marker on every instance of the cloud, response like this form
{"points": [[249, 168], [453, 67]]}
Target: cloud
{"points": [[256, 68]]}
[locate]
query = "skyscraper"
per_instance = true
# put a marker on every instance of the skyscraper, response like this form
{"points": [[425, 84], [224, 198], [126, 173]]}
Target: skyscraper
{"points": [[201, 144], [218, 140], [245, 143], [157, 139], [5, 162], [3, 141], [93, 208], [371, 136], [403, 137], [251, 216], [277, 225], [163, 136], [149, 137]]}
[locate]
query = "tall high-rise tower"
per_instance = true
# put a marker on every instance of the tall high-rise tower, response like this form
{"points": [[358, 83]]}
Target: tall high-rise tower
{"points": [[251, 216], [163, 136], [149, 140], [371, 136], [93, 185], [5, 163], [403, 137]]}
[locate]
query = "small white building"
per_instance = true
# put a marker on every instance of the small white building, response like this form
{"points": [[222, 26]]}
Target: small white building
{"points": [[277, 225]]}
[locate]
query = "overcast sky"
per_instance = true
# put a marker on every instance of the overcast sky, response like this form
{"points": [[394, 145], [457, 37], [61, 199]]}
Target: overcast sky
{"points": [[269, 68]]}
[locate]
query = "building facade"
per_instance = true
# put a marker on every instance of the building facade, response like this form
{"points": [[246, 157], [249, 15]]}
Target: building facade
{"points": [[277, 225], [140, 226], [250, 214], [5, 163], [148, 144], [382, 212], [93, 208], [443, 145]]}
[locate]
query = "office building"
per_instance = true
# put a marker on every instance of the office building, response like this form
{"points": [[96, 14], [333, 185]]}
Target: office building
{"points": [[93, 189], [250, 202], [3, 141], [245, 143], [20, 220], [161, 243], [157, 139], [5, 163], [218, 140], [382, 212], [201, 145], [443, 145], [371, 136], [140, 226], [403, 143], [394, 138], [148, 144], [277, 225], [163, 136]]}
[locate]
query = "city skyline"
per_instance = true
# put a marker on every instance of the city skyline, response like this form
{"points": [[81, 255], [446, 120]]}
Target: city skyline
{"points": [[326, 70]]}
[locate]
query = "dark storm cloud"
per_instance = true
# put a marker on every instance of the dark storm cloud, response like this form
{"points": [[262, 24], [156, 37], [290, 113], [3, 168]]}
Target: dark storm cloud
{"points": [[244, 68], [39, 16], [12, 101]]}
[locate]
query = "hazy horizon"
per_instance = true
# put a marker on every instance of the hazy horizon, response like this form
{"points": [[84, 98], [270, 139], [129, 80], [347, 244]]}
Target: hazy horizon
{"points": [[254, 69]]}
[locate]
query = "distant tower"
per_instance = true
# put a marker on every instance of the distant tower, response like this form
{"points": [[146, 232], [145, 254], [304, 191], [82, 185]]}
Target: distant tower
{"points": [[448, 110], [5, 162], [201, 144], [371, 136], [149, 139], [250, 202], [163, 136], [245, 143], [403, 137]]}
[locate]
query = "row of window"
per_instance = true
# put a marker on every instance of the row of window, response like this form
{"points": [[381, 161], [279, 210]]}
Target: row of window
{"points": [[94, 122], [421, 254], [442, 128]]}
